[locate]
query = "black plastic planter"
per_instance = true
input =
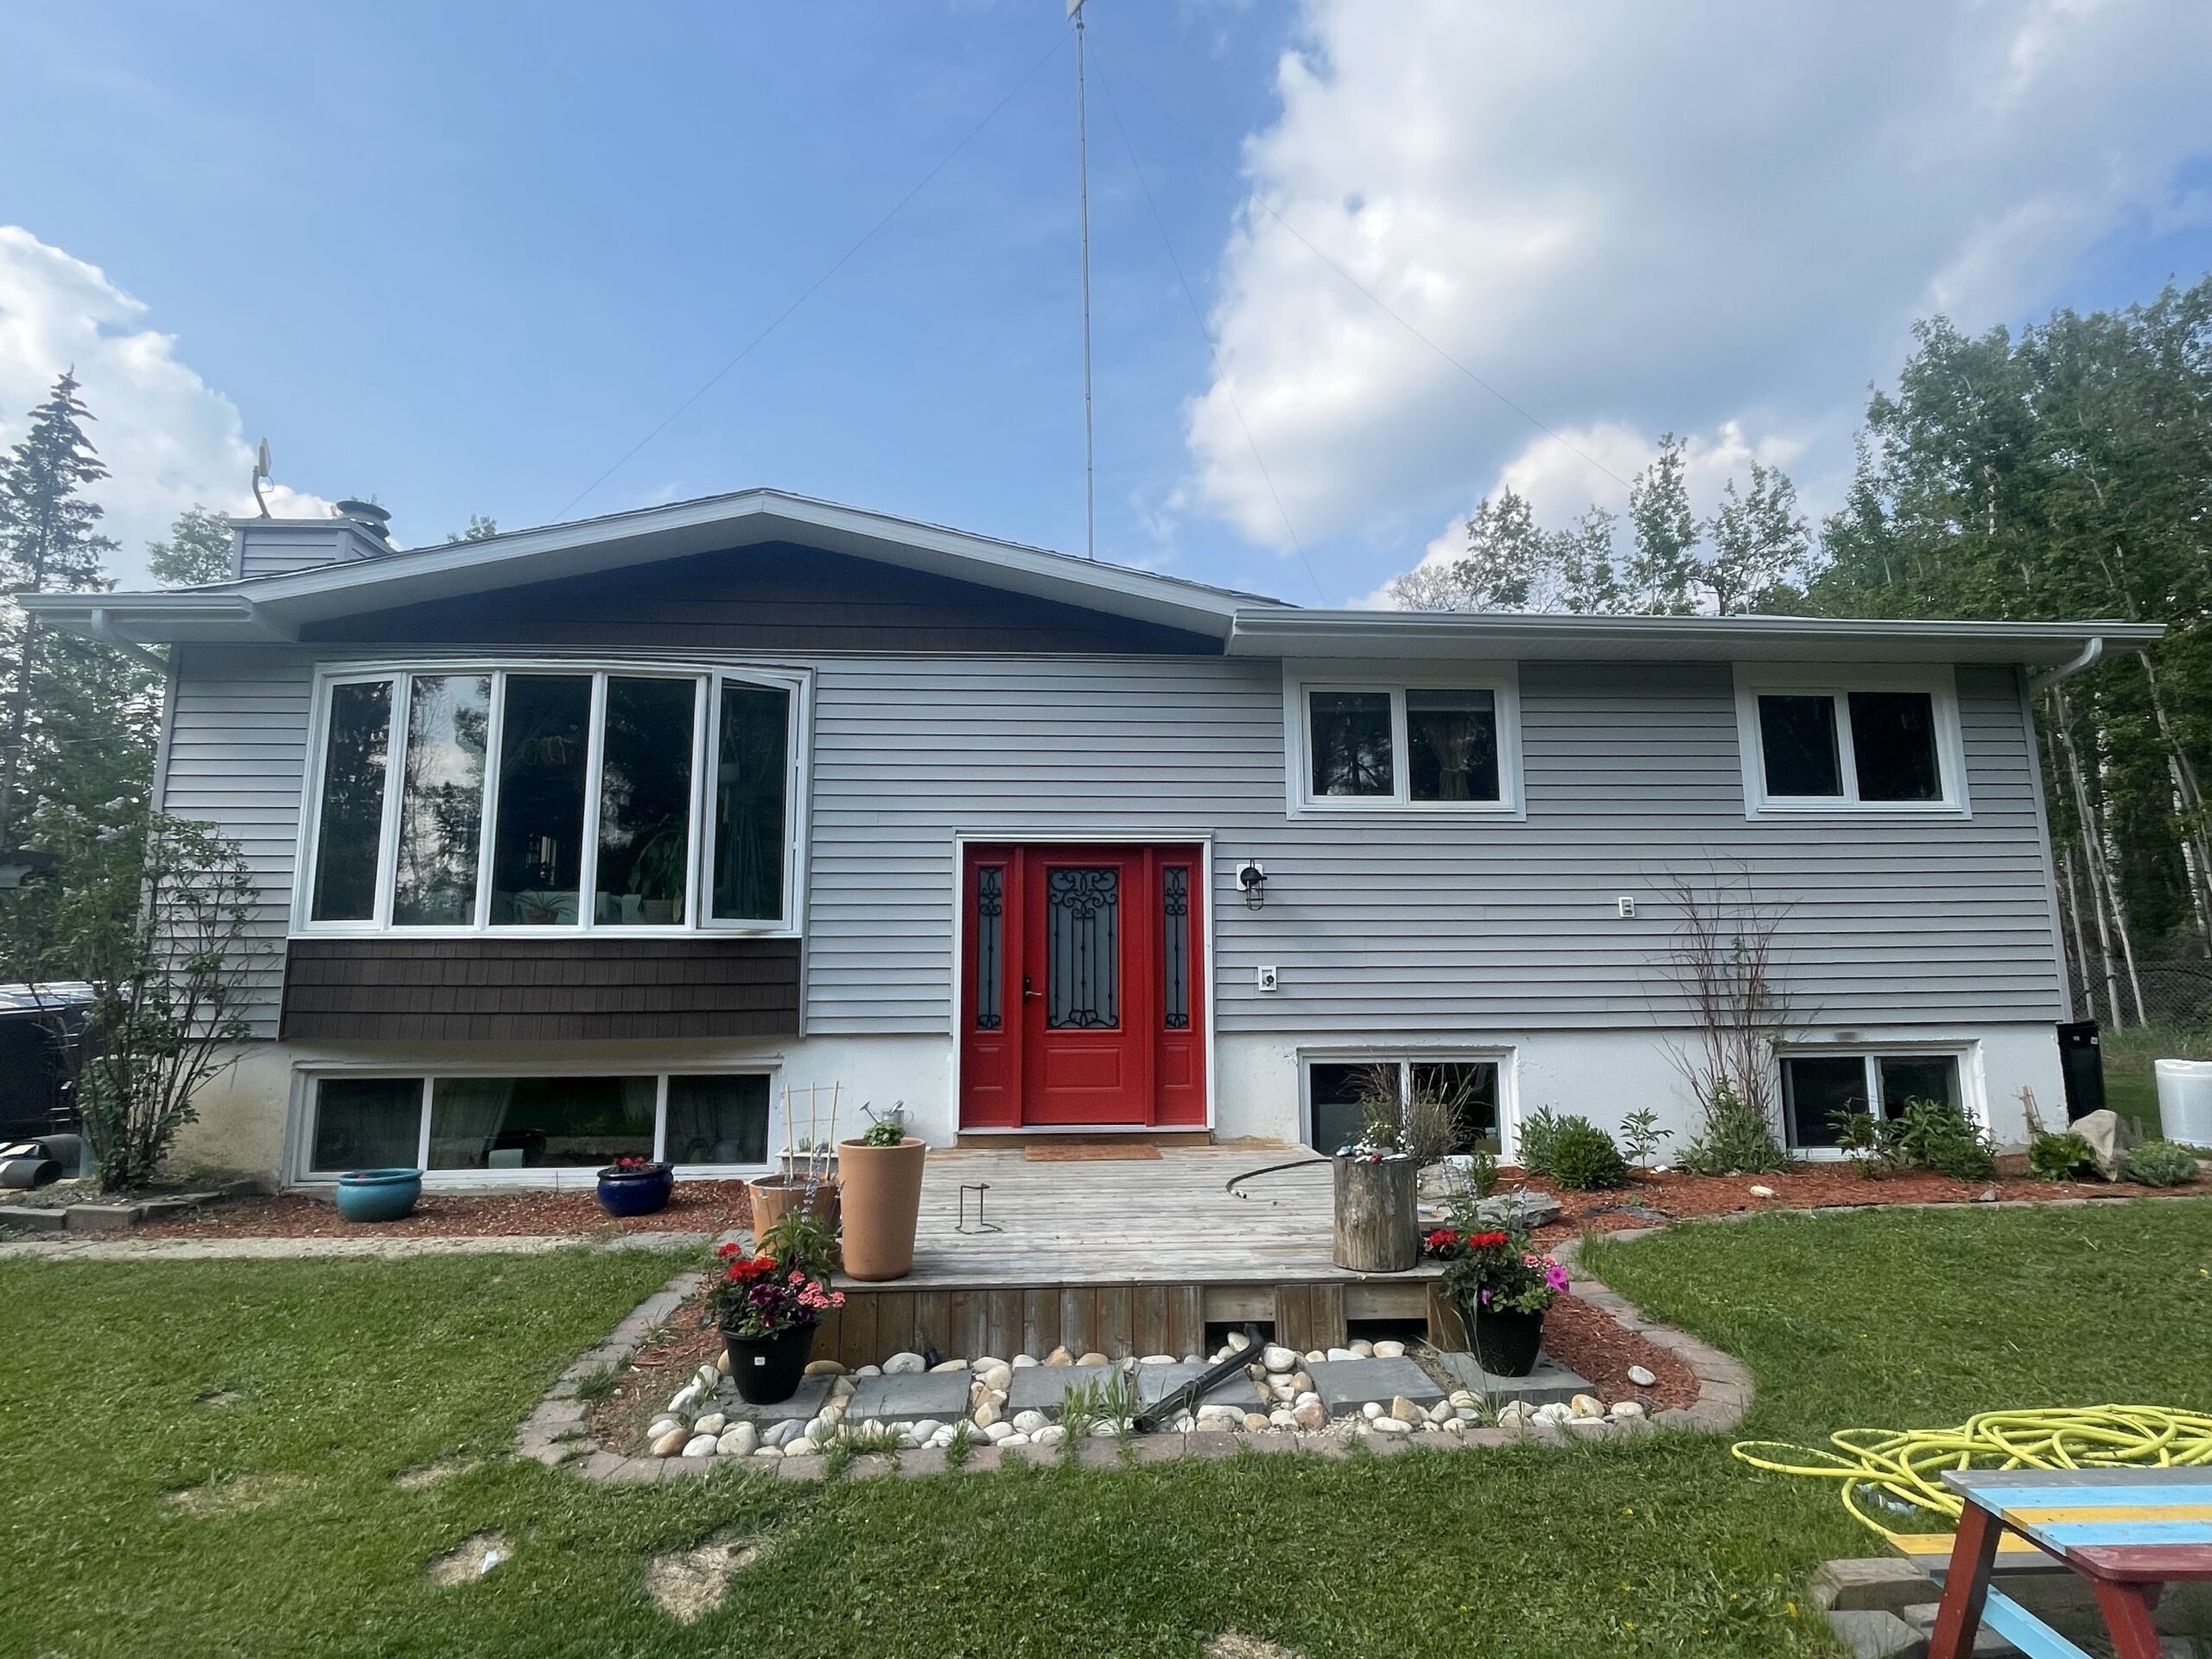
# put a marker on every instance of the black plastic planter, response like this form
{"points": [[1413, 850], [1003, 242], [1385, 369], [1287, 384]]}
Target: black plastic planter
{"points": [[1505, 1345], [768, 1370]]}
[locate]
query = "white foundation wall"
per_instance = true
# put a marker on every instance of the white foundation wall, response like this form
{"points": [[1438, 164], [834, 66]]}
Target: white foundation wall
{"points": [[251, 1119]]}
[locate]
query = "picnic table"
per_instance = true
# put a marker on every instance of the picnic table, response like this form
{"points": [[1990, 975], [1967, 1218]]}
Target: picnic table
{"points": [[2130, 1532]]}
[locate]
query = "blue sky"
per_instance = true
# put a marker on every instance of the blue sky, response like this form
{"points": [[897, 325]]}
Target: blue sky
{"points": [[465, 257]]}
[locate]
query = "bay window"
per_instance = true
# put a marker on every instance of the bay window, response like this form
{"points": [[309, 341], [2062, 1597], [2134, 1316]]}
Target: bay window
{"points": [[554, 800]]}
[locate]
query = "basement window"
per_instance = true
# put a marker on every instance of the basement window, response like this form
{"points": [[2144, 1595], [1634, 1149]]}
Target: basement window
{"points": [[1819, 1091], [1338, 1093], [1862, 742], [495, 1127]]}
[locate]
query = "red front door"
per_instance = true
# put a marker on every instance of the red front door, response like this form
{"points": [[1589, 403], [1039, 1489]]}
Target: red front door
{"points": [[1082, 1005]]}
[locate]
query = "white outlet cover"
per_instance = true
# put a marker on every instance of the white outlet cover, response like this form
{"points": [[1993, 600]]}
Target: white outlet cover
{"points": [[1267, 979]]}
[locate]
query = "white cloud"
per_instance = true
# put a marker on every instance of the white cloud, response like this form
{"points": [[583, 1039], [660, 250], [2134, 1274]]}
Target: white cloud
{"points": [[167, 438], [1631, 219]]}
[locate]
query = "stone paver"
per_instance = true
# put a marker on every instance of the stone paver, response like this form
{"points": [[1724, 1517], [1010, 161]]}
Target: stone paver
{"points": [[941, 1395], [813, 1394], [1550, 1382], [1156, 1383], [1041, 1388], [1345, 1385]]}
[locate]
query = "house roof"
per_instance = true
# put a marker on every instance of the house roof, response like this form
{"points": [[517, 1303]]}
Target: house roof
{"points": [[278, 607]]}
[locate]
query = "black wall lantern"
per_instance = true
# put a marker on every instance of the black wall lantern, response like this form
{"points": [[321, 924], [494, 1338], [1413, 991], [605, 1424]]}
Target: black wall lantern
{"points": [[1253, 879]]}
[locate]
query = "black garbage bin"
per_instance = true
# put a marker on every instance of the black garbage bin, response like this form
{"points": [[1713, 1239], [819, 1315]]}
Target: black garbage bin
{"points": [[2081, 1063]]}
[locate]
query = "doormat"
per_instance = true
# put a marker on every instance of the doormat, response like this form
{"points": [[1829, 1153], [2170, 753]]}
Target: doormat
{"points": [[1092, 1153]]}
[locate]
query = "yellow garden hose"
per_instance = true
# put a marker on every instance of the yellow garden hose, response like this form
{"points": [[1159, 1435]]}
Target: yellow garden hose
{"points": [[1906, 1465]]}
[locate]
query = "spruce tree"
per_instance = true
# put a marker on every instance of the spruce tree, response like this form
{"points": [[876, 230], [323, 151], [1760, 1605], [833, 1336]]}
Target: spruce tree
{"points": [[74, 715]]}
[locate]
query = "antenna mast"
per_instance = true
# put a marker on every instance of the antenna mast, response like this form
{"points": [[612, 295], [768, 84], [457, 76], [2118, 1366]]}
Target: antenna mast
{"points": [[1082, 215]]}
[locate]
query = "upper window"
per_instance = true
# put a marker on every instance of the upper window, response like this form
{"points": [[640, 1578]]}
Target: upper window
{"points": [[1445, 743], [1851, 743], [513, 798]]}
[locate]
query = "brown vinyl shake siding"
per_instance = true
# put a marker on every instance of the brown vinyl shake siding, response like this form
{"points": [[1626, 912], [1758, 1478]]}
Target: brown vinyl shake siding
{"points": [[538, 990]]}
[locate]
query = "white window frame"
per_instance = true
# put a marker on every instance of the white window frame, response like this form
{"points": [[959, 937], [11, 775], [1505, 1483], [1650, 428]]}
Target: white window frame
{"points": [[308, 1079], [697, 917], [1754, 681], [1965, 1054], [1405, 1056], [1502, 681]]}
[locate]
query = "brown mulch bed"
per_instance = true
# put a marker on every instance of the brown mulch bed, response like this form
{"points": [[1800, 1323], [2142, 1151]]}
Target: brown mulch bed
{"points": [[1652, 1200], [695, 1207], [657, 1370], [1586, 1340]]}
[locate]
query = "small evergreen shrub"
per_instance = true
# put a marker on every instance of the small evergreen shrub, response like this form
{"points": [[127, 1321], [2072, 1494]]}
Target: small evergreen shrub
{"points": [[2059, 1157], [2160, 1163], [1735, 1140], [1585, 1160], [1539, 1135]]}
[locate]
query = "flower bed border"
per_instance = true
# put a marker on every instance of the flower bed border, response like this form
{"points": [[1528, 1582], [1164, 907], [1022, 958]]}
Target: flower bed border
{"points": [[558, 1433]]}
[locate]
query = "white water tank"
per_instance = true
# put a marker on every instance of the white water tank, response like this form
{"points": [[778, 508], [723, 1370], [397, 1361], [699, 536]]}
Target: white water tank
{"points": [[2186, 1101]]}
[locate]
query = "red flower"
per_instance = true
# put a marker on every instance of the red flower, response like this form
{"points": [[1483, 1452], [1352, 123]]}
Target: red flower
{"points": [[1442, 1239], [732, 1248], [1487, 1240]]}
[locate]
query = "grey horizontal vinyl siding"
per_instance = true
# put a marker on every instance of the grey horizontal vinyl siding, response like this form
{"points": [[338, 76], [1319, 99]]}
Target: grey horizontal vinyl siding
{"points": [[1432, 926], [1437, 927], [237, 751]]}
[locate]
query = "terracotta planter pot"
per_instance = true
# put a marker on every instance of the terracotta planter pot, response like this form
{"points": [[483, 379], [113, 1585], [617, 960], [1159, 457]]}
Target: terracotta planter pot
{"points": [[882, 1201], [772, 1195]]}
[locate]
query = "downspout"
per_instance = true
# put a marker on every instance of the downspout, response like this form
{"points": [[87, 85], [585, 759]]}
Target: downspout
{"points": [[2088, 656], [97, 626]]}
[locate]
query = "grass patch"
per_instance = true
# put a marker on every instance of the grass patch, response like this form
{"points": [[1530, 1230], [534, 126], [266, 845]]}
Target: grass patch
{"points": [[351, 1372]]}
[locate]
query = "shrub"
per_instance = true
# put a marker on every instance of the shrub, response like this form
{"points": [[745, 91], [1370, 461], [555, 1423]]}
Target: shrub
{"points": [[1938, 1136], [1641, 1137], [1585, 1160], [1539, 1135], [1735, 1139], [2160, 1163], [2058, 1157]]}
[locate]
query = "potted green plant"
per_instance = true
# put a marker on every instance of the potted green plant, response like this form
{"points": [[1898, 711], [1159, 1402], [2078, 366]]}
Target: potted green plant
{"points": [[1502, 1288], [767, 1304], [880, 1172], [657, 879]]}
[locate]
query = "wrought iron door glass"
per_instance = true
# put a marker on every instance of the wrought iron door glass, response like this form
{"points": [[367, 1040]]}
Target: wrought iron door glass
{"points": [[1083, 949]]}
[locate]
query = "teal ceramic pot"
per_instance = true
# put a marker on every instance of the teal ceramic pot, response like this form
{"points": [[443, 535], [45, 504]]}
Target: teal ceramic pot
{"points": [[378, 1194]]}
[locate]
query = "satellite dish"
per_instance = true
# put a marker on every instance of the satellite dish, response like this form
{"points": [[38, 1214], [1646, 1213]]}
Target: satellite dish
{"points": [[260, 472]]}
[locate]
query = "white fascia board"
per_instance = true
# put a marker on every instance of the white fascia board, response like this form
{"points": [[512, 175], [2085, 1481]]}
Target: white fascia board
{"points": [[1674, 638]]}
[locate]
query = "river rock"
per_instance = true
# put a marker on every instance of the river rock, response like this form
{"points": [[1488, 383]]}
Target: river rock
{"points": [[1315, 1356], [1310, 1415], [767, 1452], [737, 1440], [706, 1376], [1628, 1408], [986, 1414], [1093, 1358], [801, 1447], [1342, 1354], [1051, 1435], [1442, 1412], [949, 1366], [1257, 1421], [824, 1368], [866, 1371], [1404, 1410], [1059, 1357], [904, 1365], [997, 1376], [685, 1397], [721, 1363], [1389, 1351], [1015, 1442], [699, 1445], [671, 1443], [1389, 1426], [1363, 1349], [1022, 1361], [1516, 1414], [925, 1427], [996, 1432], [1028, 1422], [1371, 1410], [662, 1425], [1554, 1414], [713, 1423], [1587, 1405], [1276, 1357]]}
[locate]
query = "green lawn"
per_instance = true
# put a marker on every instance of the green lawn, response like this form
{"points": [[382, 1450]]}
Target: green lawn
{"points": [[353, 1371]]}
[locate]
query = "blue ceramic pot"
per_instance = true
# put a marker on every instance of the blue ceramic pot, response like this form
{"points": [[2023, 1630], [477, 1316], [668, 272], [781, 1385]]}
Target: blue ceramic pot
{"points": [[378, 1194], [635, 1191]]}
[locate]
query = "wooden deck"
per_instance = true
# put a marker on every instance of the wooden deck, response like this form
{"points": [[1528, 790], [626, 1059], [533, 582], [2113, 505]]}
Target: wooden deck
{"points": [[1119, 1256]]}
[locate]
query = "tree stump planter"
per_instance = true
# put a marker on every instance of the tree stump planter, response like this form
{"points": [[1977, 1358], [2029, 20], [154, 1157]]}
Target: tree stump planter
{"points": [[881, 1201], [1376, 1226]]}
